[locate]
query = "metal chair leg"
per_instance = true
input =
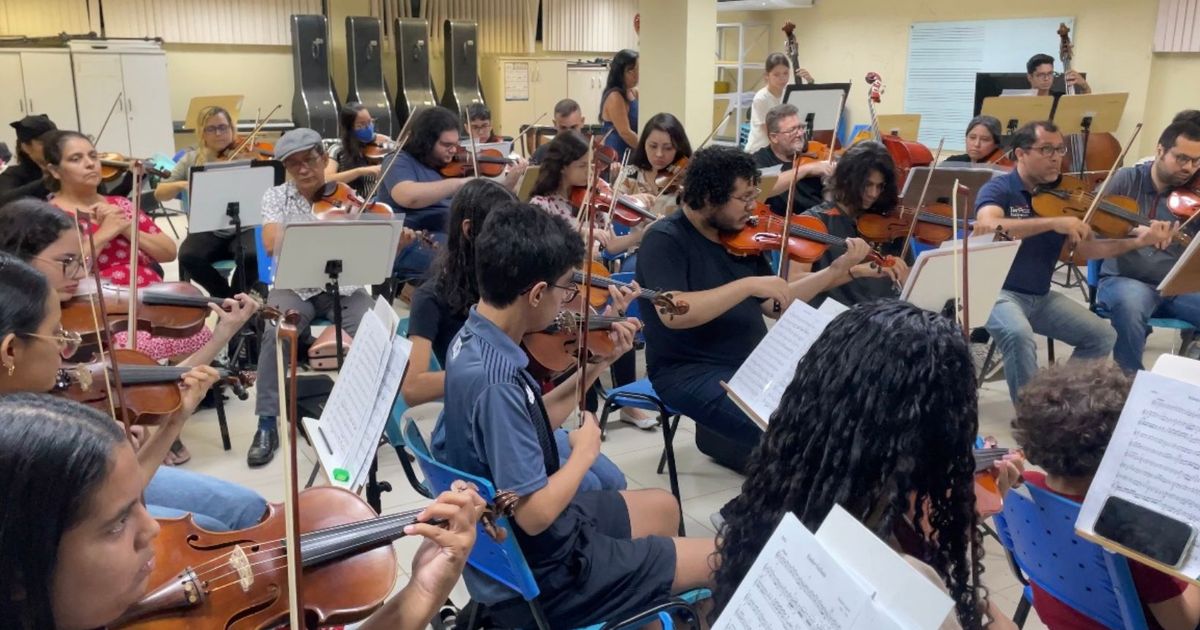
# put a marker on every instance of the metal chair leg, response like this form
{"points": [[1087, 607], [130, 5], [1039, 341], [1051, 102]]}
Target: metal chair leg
{"points": [[218, 393], [1022, 612], [662, 459]]}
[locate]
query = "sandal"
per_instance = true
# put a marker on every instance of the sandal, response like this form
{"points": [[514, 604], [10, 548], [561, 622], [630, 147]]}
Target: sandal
{"points": [[178, 455]]}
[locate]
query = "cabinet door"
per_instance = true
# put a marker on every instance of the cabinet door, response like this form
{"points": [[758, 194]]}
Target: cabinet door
{"points": [[12, 98], [98, 84], [48, 86], [581, 86], [147, 104], [550, 86]]}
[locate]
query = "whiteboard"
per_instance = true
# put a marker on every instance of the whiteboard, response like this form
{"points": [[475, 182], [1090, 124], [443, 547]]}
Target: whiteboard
{"points": [[943, 58]]}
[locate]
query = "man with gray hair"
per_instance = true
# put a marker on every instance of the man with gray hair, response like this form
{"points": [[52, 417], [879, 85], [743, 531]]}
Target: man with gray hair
{"points": [[786, 137]]}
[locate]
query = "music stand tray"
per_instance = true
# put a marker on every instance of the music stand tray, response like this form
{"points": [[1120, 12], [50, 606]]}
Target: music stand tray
{"points": [[1094, 113], [972, 176], [905, 126], [1014, 111]]}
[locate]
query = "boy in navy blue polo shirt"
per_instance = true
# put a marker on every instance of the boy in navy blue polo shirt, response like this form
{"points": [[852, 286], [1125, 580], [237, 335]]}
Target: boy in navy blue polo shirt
{"points": [[1026, 304], [596, 555]]}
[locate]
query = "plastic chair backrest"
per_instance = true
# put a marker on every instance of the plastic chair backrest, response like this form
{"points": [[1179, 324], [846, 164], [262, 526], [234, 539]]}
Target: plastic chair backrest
{"points": [[1038, 527], [1093, 273], [399, 407], [502, 562], [266, 264]]}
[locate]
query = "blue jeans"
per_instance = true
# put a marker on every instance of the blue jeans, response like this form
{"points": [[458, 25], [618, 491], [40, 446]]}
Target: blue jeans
{"points": [[1130, 304], [216, 505], [603, 475], [725, 433], [413, 261], [1018, 316]]}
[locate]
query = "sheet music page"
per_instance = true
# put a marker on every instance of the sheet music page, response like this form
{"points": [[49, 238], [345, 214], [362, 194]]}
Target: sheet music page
{"points": [[1152, 458], [760, 381], [1182, 267], [795, 583], [385, 397], [1178, 368], [348, 409], [386, 314]]}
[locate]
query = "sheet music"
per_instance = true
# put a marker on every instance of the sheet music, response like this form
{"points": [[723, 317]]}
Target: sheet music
{"points": [[760, 381], [385, 397], [347, 414], [844, 577], [1184, 277], [1153, 457]]}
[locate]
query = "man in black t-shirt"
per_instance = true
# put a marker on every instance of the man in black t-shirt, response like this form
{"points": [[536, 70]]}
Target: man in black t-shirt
{"points": [[688, 355], [786, 137], [864, 183]]}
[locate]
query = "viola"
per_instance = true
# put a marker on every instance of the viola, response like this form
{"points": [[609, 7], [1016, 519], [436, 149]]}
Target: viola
{"points": [[113, 165], [664, 301], [935, 225], [623, 209], [1115, 215], [238, 579], [905, 154], [556, 350], [808, 238], [491, 164], [337, 200]]}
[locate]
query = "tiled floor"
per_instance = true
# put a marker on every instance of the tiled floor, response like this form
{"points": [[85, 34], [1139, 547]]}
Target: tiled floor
{"points": [[705, 486]]}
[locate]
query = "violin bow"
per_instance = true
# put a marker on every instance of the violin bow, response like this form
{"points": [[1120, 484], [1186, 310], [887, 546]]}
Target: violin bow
{"points": [[520, 139], [474, 149], [97, 302], [1091, 211], [618, 184], [585, 321], [258, 125], [963, 288], [286, 330], [707, 139], [912, 227], [399, 140], [784, 233], [137, 168], [837, 120]]}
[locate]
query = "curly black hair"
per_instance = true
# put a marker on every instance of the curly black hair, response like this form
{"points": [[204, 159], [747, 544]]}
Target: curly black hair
{"points": [[712, 174], [1066, 416], [519, 246], [427, 126], [854, 171], [454, 270], [668, 124], [564, 149], [880, 418]]}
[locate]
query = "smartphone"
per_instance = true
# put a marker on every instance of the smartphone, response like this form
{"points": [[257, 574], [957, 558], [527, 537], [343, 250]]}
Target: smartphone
{"points": [[1154, 535]]}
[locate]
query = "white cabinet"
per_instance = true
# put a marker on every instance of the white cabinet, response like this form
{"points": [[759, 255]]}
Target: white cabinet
{"points": [[122, 90], [519, 90], [36, 82], [585, 84], [101, 90]]}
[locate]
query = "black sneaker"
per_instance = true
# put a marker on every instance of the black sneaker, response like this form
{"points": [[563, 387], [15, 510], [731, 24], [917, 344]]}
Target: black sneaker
{"points": [[262, 448]]}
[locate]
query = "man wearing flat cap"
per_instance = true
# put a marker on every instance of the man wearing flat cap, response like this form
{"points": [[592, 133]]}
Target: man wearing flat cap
{"points": [[24, 179]]}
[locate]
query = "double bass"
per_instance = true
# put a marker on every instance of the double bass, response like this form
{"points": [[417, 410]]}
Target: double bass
{"points": [[1090, 155], [906, 154]]}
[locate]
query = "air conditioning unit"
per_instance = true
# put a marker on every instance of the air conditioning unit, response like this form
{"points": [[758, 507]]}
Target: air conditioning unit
{"points": [[762, 5]]}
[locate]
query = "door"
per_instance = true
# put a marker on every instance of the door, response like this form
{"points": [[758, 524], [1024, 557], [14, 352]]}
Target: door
{"points": [[12, 100], [585, 85], [49, 89], [100, 92], [147, 105]]}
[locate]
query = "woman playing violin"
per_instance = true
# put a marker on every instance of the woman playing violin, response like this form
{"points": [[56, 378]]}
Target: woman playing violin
{"points": [[348, 162], [864, 182], [655, 163], [74, 179], [198, 252], [908, 477], [983, 141], [90, 556]]}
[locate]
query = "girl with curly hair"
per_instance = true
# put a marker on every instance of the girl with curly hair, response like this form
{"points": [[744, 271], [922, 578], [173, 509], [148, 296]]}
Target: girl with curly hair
{"points": [[896, 453]]}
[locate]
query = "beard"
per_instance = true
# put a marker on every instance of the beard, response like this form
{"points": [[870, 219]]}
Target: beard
{"points": [[723, 224]]}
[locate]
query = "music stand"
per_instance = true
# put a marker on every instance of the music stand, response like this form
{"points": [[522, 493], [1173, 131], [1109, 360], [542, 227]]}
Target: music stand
{"points": [[931, 283], [970, 176], [226, 195], [905, 126], [231, 103], [1014, 111], [328, 253], [819, 104], [1087, 114]]}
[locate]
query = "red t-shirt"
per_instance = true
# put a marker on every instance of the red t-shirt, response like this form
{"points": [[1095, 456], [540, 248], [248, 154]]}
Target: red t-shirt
{"points": [[1153, 586]]}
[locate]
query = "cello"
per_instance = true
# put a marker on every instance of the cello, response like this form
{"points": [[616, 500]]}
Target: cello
{"points": [[905, 153], [1088, 154]]}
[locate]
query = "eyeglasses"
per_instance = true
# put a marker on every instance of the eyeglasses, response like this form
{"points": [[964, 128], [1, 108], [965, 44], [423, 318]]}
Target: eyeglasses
{"points": [[571, 292], [311, 161], [1184, 160], [1043, 75], [750, 197], [72, 266], [791, 132], [215, 129], [68, 342], [481, 126], [1048, 150]]}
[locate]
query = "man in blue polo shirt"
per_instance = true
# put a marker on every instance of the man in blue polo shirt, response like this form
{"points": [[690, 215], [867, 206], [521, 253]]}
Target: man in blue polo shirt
{"points": [[1026, 304], [596, 555]]}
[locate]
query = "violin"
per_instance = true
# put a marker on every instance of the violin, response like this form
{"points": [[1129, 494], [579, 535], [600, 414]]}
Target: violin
{"points": [[113, 165], [337, 200], [150, 391], [1103, 149], [624, 209], [1185, 200], [808, 238], [243, 149], [988, 500], [376, 150], [556, 350], [935, 225], [670, 179], [1000, 157], [1115, 215], [491, 163], [905, 154], [238, 579], [664, 301]]}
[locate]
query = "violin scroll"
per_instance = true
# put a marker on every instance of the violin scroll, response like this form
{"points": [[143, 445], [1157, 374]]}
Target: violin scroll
{"points": [[503, 506]]}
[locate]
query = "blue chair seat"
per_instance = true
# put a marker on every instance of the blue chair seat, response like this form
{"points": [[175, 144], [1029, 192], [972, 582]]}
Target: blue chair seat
{"points": [[639, 395]]}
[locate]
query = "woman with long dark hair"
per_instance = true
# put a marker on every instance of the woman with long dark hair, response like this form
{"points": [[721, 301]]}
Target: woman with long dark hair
{"points": [[619, 103], [77, 543], [881, 419], [982, 141], [663, 142], [348, 163]]}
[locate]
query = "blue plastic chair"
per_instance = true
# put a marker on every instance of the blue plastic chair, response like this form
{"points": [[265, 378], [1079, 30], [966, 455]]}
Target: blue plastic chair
{"points": [[504, 562], [1037, 528], [1187, 332], [393, 429]]}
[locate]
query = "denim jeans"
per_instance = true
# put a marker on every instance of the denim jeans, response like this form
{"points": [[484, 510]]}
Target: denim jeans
{"points": [[603, 475], [1130, 304], [216, 505], [413, 261], [724, 432], [1018, 316]]}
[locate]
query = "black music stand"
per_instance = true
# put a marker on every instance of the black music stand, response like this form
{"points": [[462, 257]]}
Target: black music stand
{"points": [[820, 105], [1014, 111], [228, 195], [941, 187]]}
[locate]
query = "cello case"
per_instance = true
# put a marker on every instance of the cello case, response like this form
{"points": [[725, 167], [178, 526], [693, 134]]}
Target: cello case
{"points": [[366, 82], [314, 104], [461, 59], [412, 67]]}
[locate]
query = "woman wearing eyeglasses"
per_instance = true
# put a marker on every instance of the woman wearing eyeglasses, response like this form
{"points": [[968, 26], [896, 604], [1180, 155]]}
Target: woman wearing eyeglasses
{"points": [[348, 162], [214, 133], [32, 344]]}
